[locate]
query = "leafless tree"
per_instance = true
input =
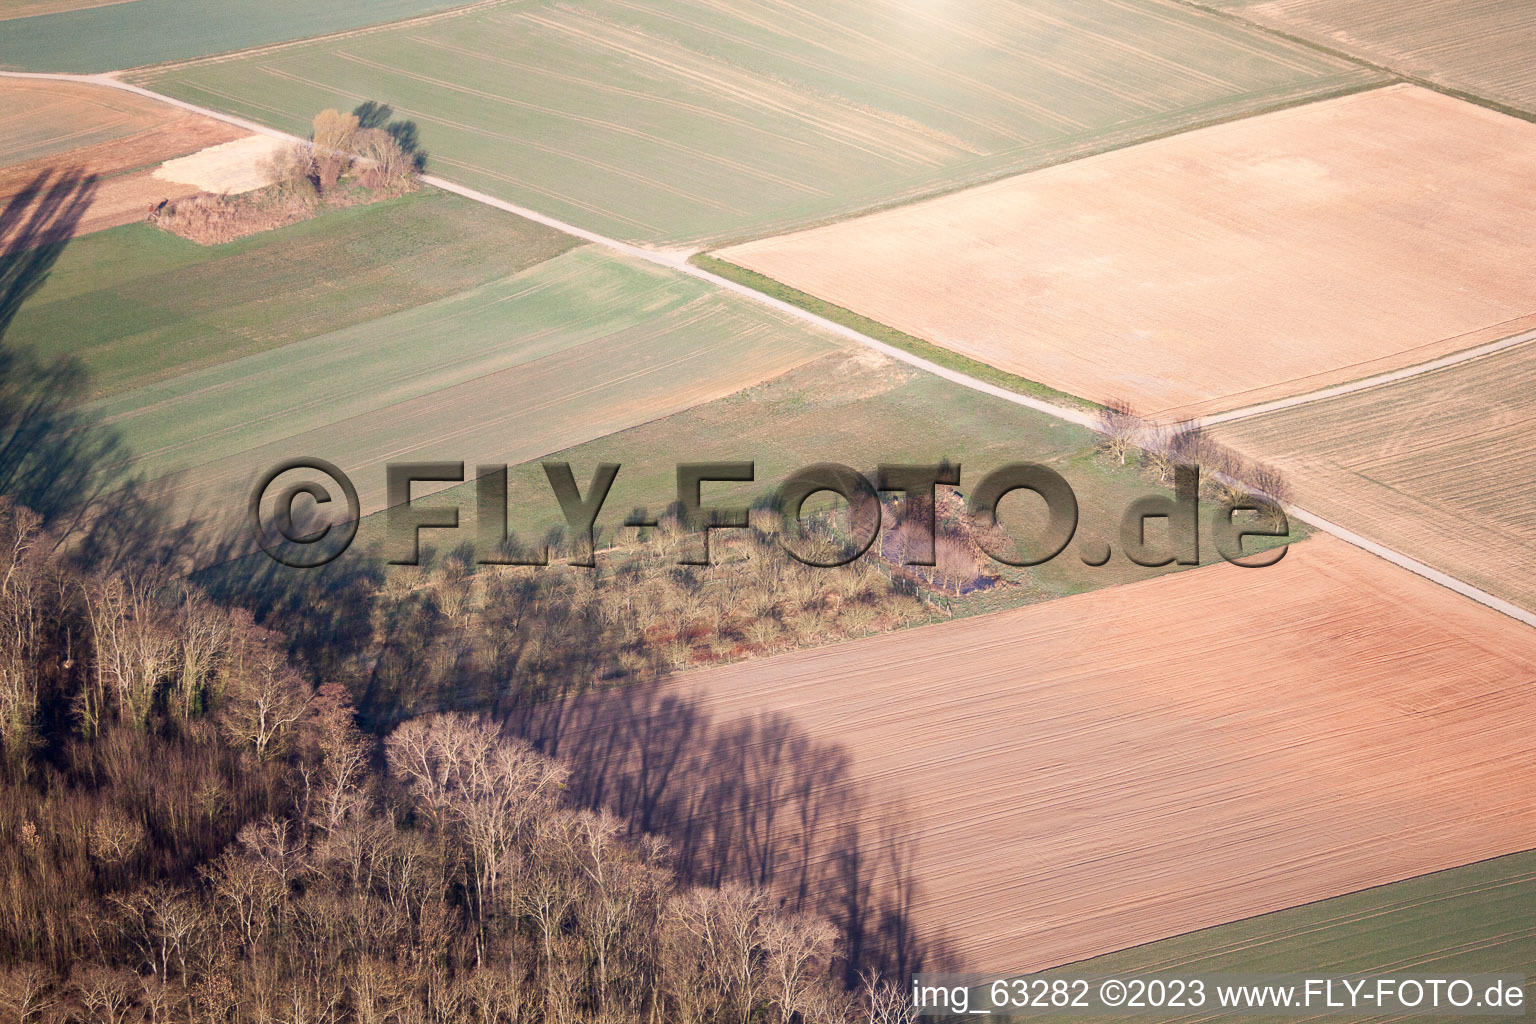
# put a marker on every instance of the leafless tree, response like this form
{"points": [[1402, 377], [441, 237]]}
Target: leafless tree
{"points": [[105, 994], [26, 993], [886, 1002], [1120, 427], [263, 705]]}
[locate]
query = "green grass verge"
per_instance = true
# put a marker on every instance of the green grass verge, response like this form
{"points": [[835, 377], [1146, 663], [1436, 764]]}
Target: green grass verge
{"points": [[880, 332]]}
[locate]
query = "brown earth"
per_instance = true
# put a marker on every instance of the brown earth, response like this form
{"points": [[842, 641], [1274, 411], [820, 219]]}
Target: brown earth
{"points": [[1439, 467], [1214, 269], [1477, 46], [41, 118], [129, 198], [126, 188], [1106, 769], [187, 133]]}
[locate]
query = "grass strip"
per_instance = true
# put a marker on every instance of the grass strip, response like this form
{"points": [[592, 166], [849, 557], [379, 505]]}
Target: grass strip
{"points": [[890, 335]]}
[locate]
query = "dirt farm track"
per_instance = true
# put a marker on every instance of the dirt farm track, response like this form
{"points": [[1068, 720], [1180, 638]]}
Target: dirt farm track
{"points": [[1145, 760]]}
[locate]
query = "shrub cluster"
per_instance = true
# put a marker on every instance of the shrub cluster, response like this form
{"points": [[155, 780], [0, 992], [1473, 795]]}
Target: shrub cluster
{"points": [[344, 162]]}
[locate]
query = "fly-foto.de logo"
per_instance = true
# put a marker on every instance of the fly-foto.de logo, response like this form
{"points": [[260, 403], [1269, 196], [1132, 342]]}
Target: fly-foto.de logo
{"points": [[329, 508]]}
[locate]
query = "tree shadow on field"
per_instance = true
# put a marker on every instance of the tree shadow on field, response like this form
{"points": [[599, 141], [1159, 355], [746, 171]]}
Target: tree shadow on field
{"points": [[56, 456], [372, 114], [756, 800]]}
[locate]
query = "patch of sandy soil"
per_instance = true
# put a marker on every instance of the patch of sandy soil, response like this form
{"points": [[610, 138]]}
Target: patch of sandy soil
{"points": [[230, 168], [1111, 768], [1214, 269]]}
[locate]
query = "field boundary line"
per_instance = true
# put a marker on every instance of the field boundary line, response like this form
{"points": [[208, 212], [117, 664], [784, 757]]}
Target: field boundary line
{"points": [[677, 260], [1365, 383]]}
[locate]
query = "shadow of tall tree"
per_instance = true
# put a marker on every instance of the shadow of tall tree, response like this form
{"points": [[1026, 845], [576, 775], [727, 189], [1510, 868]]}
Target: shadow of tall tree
{"points": [[57, 457], [757, 800], [35, 226]]}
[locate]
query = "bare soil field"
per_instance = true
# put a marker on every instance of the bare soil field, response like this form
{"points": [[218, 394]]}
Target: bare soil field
{"points": [[186, 133], [1214, 269], [1120, 766], [1440, 467], [43, 118], [126, 189], [1482, 47], [125, 199]]}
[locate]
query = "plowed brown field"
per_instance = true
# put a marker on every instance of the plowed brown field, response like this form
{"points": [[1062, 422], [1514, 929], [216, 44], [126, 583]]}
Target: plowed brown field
{"points": [[186, 133], [1214, 269], [42, 118], [1140, 761], [1440, 467]]}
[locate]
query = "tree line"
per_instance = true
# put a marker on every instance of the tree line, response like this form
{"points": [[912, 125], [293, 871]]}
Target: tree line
{"points": [[192, 830]]}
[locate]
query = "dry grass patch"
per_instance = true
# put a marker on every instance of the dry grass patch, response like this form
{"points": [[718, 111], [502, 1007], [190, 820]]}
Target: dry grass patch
{"points": [[231, 167], [1214, 269], [1111, 768]]}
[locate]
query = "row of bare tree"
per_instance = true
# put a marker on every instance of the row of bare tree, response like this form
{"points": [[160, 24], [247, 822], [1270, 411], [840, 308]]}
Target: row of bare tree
{"points": [[452, 634], [1229, 476]]}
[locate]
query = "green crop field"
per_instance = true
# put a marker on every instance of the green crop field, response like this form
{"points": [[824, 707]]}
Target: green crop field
{"points": [[1480, 47], [126, 35], [692, 120], [1480, 918], [573, 348], [137, 304]]}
